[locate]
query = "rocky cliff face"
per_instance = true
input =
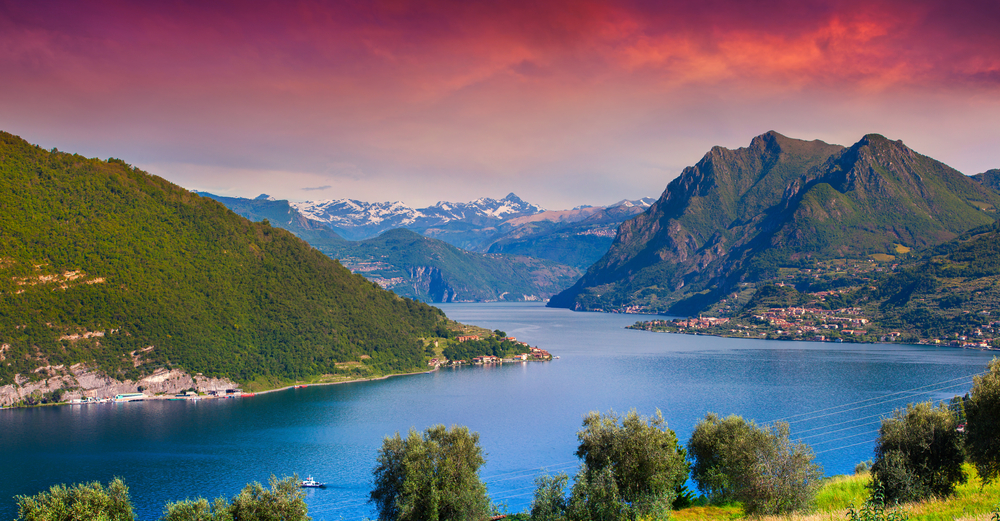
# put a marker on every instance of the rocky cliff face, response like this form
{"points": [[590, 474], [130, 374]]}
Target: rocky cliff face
{"points": [[737, 214], [79, 381]]}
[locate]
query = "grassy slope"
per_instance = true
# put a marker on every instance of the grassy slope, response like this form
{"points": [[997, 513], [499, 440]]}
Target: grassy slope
{"points": [[155, 265], [971, 501]]}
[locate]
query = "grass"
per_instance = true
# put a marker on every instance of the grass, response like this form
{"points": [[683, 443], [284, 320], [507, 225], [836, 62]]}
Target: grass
{"points": [[971, 502]]}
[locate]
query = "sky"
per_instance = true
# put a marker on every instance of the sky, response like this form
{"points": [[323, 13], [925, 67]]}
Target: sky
{"points": [[564, 103]]}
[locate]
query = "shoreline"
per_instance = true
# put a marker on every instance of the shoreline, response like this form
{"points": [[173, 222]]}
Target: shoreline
{"points": [[841, 341], [199, 397]]}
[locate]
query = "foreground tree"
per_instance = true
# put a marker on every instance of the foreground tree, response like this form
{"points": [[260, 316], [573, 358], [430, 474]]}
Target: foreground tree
{"points": [[642, 455], [285, 501], [735, 460], [918, 454], [434, 476], [83, 502], [981, 432]]}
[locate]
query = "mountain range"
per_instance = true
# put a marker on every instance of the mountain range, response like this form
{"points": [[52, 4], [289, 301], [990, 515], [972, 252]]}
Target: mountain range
{"points": [[739, 216], [524, 253]]}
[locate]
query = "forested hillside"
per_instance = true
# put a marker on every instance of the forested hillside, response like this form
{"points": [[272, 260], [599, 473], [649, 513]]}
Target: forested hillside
{"points": [[103, 263]]}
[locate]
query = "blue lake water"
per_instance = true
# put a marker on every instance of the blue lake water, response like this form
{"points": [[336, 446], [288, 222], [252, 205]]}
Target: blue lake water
{"points": [[527, 414]]}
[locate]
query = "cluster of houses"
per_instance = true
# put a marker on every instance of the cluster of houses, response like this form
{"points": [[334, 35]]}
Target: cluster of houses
{"points": [[533, 354]]}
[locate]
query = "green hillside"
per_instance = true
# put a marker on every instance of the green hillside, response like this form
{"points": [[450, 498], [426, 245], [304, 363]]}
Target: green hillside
{"points": [[415, 266], [740, 216], [430, 269], [174, 279]]}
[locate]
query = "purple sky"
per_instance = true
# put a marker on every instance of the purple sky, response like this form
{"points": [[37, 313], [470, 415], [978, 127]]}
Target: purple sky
{"points": [[563, 102]]}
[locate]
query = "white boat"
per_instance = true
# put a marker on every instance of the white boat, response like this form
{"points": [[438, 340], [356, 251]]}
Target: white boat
{"points": [[311, 483]]}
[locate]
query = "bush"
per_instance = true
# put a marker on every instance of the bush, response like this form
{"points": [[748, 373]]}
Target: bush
{"points": [[735, 460], [918, 454], [983, 412], [430, 476], [285, 501], [89, 501]]}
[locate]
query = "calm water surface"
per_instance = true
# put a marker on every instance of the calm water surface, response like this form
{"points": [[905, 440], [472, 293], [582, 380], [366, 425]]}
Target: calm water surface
{"points": [[527, 415]]}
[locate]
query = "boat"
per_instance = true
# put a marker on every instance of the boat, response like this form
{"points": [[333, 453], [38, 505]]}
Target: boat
{"points": [[311, 483]]}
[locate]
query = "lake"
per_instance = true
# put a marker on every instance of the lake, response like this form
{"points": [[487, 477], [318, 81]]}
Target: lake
{"points": [[527, 415]]}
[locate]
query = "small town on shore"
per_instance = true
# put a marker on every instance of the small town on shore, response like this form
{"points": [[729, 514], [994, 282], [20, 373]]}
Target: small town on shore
{"points": [[816, 325]]}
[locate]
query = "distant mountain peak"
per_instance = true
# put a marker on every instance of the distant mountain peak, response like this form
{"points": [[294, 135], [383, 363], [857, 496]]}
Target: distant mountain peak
{"points": [[264, 197]]}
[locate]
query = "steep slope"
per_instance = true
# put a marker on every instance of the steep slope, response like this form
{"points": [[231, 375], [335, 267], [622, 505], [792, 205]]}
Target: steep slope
{"points": [[737, 216], [428, 269], [418, 267], [281, 214], [989, 179], [105, 264], [575, 237]]}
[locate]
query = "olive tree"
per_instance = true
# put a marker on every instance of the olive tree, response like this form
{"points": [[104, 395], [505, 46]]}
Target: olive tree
{"points": [[430, 476], [983, 413], [285, 501], [85, 501], [918, 453], [760, 467]]}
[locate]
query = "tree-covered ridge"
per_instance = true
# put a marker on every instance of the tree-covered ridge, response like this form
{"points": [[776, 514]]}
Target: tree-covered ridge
{"points": [[740, 216], [90, 246]]}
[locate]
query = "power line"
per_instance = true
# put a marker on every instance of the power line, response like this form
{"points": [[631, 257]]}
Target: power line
{"points": [[788, 419]]}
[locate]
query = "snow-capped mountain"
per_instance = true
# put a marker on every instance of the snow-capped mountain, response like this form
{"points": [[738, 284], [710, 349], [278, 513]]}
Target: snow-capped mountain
{"points": [[357, 220]]}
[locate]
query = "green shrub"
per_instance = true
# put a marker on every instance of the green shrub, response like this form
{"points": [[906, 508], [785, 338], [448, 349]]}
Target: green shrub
{"points": [[735, 460], [82, 502], [918, 454]]}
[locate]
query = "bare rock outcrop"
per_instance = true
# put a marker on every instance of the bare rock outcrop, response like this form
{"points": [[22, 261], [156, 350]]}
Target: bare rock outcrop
{"points": [[80, 381]]}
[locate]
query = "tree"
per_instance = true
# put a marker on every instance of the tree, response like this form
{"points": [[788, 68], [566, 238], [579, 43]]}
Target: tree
{"points": [[983, 413], [434, 476], [285, 501], [549, 503], [85, 501], [735, 460], [640, 457], [918, 453]]}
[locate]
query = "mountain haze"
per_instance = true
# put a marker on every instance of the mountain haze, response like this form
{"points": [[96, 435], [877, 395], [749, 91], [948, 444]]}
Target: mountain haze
{"points": [[738, 215]]}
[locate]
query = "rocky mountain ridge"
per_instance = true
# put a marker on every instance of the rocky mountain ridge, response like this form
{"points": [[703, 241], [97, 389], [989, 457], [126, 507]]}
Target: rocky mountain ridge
{"points": [[739, 215]]}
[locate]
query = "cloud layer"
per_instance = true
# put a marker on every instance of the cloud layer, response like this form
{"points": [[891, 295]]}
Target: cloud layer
{"points": [[564, 103]]}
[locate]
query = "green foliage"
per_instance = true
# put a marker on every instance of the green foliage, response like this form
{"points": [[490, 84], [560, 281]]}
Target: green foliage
{"points": [[639, 456], [983, 412], [743, 216], [285, 501], [432, 270], [596, 497], [492, 346], [918, 454], [735, 460], [83, 502], [549, 503], [94, 246], [433, 476], [874, 509]]}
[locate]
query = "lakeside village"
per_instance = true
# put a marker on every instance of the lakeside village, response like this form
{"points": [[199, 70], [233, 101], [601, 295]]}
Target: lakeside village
{"points": [[812, 324], [506, 350]]}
